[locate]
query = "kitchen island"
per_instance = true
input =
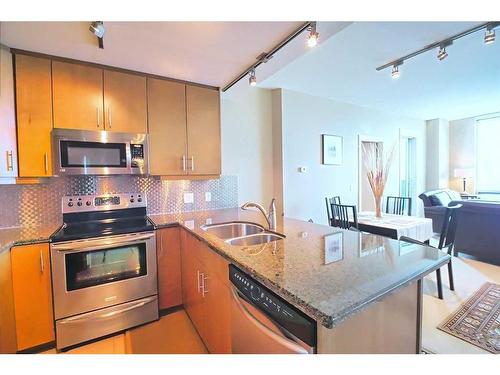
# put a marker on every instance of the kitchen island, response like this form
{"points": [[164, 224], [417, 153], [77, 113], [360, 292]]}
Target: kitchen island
{"points": [[364, 291]]}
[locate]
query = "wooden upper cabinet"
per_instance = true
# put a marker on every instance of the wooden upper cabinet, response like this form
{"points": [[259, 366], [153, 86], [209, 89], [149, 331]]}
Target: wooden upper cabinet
{"points": [[168, 250], [125, 108], [77, 96], [203, 130], [32, 295], [34, 115], [167, 127]]}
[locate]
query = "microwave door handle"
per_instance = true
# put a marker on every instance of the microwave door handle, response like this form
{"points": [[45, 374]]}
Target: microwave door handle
{"points": [[100, 244], [284, 341]]}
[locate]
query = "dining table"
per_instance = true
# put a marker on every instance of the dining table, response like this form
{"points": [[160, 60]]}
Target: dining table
{"points": [[395, 226]]}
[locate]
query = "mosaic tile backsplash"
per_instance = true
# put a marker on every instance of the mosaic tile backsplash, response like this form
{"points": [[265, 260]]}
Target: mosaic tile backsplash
{"points": [[30, 205]]}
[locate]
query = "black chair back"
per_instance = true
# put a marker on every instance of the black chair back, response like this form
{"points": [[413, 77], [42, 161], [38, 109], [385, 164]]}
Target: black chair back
{"points": [[447, 238], [398, 206], [329, 202], [344, 216]]}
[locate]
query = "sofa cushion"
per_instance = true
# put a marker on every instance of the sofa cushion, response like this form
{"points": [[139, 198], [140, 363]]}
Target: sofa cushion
{"points": [[454, 195], [440, 199]]}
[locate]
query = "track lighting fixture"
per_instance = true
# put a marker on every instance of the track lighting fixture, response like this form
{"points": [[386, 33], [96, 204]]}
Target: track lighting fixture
{"points": [[442, 54], [313, 36], [395, 71], [97, 28], [253, 79], [489, 35]]}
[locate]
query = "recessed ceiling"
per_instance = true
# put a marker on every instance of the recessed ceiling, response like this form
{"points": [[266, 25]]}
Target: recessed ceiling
{"points": [[211, 53], [465, 84]]}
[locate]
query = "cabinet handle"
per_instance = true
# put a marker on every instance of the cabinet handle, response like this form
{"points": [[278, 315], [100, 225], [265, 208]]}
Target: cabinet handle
{"points": [[98, 117], [198, 280], [192, 162], [203, 285], [42, 263], [46, 162], [184, 163], [10, 164], [109, 117]]}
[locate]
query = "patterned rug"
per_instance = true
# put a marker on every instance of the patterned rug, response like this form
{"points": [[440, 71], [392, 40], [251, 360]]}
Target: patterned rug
{"points": [[478, 320]]}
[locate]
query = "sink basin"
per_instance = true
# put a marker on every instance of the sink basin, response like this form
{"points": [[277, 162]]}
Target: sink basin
{"points": [[232, 230], [255, 239]]}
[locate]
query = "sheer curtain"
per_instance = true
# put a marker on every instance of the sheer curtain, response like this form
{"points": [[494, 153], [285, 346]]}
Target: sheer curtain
{"points": [[488, 155]]}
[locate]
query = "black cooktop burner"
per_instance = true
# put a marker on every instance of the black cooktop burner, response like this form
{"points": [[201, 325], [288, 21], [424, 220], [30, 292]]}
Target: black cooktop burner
{"points": [[106, 223]]}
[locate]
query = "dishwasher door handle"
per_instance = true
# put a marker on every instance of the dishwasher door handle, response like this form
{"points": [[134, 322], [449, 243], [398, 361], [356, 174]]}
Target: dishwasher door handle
{"points": [[281, 340]]}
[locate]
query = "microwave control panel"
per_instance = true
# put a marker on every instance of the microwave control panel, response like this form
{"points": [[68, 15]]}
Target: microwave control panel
{"points": [[137, 155]]}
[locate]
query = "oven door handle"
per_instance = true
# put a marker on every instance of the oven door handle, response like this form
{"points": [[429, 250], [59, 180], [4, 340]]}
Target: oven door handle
{"points": [[92, 316], [102, 243]]}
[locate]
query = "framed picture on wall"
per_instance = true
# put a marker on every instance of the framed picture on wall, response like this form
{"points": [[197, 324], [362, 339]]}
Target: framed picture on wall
{"points": [[334, 247], [332, 149]]}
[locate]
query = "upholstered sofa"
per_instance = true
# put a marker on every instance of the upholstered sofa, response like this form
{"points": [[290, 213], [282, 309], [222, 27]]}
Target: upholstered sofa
{"points": [[478, 231]]}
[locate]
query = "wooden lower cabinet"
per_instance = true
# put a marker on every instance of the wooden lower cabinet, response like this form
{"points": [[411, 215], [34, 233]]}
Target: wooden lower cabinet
{"points": [[206, 293], [32, 295], [168, 250]]}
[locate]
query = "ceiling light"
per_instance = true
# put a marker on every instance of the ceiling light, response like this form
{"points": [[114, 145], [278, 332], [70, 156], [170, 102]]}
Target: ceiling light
{"points": [[313, 37], [489, 36], [253, 79], [395, 71], [442, 54], [97, 28]]}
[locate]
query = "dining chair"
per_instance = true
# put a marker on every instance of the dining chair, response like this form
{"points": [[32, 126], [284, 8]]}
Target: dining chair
{"points": [[446, 241], [329, 202], [398, 205], [344, 216]]}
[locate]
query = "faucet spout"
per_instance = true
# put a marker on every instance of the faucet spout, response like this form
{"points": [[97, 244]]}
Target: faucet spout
{"points": [[269, 216]]}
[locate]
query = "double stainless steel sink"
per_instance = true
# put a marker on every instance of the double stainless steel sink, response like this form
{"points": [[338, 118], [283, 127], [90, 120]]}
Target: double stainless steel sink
{"points": [[238, 233]]}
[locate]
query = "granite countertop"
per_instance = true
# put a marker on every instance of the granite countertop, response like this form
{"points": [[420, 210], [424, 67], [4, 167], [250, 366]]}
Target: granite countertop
{"points": [[326, 287], [17, 236]]}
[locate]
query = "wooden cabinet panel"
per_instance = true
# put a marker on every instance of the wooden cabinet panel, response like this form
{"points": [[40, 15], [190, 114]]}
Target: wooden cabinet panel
{"points": [[32, 295], [167, 127], [34, 115], [77, 96], [125, 102], [191, 270], [203, 130], [168, 249], [7, 316]]}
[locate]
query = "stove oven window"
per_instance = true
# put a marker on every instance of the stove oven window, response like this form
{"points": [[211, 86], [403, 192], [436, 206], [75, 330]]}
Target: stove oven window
{"points": [[91, 268]]}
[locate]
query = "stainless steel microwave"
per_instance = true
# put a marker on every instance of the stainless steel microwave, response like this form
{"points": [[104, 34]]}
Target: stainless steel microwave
{"points": [[81, 152]]}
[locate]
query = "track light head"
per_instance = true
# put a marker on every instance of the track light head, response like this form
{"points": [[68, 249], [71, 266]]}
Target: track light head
{"points": [[489, 36], [313, 36], [252, 81], [442, 54], [395, 71], [97, 28]]}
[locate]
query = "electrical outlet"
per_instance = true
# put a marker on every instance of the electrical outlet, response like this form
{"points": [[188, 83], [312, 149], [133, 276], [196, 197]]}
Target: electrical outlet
{"points": [[188, 198], [208, 196], [189, 224], [208, 221]]}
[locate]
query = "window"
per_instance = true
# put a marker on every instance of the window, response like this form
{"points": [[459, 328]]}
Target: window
{"points": [[488, 155]]}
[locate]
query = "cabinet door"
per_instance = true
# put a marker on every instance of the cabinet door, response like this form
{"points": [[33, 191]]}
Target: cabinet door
{"points": [[203, 129], [217, 303], [77, 96], [168, 250], [32, 295], [8, 151], [167, 127], [34, 116], [191, 283], [125, 102]]}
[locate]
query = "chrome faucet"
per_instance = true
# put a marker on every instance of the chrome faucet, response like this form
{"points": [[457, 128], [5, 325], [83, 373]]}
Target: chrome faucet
{"points": [[270, 215]]}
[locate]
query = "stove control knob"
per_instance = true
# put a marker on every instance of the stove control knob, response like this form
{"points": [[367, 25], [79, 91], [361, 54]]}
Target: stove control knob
{"points": [[131, 200], [255, 293], [88, 203], [139, 200], [79, 204], [70, 204]]}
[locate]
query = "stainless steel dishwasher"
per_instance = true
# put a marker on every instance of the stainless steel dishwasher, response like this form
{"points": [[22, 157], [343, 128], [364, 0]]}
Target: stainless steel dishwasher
{"points": [[263, 323]]}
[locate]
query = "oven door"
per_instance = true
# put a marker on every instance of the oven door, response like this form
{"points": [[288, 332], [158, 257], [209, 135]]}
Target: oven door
{"points": [[101, 272]]}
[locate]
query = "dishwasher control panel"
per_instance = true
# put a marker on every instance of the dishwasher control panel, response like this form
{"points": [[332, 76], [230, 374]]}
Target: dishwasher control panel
{"points": [[290, 318]]}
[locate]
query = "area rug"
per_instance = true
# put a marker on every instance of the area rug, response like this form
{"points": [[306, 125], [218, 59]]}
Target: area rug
{"points": [[477, 321]]}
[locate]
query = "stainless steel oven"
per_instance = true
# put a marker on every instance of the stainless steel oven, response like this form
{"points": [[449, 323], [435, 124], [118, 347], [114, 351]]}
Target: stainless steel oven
{"points": [[99, 152], [103, 285]]}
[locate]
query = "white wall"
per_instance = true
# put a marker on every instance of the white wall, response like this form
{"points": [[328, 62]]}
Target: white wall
{"points": [[246, 119], [437, 132], [462, 151], [304, 119]]}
